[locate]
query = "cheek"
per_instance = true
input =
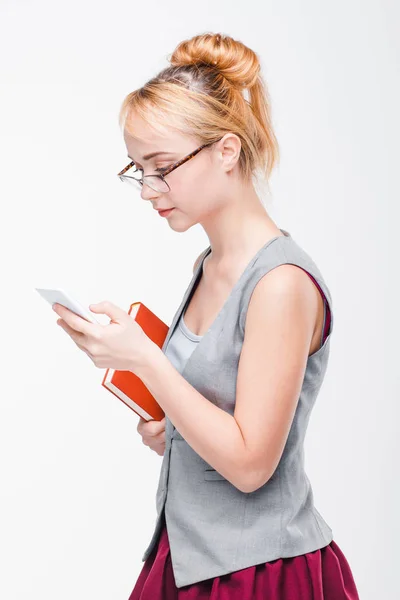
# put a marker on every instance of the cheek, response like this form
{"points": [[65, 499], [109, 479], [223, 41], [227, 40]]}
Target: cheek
{"points": [[186, 190], [194, 190]]}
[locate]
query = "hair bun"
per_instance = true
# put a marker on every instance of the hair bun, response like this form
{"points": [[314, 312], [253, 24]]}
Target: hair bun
{"points": [[235, 61]]}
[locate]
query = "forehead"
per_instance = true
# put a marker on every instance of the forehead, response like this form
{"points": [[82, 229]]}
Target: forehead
{"points": [[142, 138]]}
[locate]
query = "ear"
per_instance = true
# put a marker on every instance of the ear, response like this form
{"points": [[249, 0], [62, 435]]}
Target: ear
{"points": [[228, 150]]}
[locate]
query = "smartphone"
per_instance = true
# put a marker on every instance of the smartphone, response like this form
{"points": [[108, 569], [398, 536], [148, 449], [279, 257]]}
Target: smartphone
{"points": [[60, 296]]}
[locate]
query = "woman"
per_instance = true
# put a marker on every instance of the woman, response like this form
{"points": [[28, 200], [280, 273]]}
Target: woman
{"points": [[198, 106], [238, 520]]}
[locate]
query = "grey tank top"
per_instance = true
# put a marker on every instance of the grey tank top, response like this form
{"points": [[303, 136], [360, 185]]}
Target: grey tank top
{"points": [[181, 345]]}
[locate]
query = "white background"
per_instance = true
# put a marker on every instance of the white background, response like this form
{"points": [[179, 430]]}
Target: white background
{"points": [[77, 484]]}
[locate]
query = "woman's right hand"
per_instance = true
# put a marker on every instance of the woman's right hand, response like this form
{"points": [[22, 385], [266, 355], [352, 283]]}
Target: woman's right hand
{"points": [[153, 434]]}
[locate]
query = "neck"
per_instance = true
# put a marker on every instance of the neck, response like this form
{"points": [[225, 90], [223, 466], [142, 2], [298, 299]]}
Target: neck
{"points": [[239, 227]]}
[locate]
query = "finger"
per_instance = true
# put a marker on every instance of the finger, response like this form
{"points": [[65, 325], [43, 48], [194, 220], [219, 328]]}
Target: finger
{"points": [[154, 441], [76, 336], [159, 426], [153, 428], [73, 320], [140, 424], [159, 448], [158, 439]]}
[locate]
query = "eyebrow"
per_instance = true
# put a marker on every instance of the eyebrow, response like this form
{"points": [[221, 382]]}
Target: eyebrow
{"points": [[152, 155]]}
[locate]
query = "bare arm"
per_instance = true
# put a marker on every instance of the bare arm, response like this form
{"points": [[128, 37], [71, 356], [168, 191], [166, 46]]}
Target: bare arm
{"points": [[279, 327]]}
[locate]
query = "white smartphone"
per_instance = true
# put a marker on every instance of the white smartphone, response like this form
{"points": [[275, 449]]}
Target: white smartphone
{"points": [[60, 296]]}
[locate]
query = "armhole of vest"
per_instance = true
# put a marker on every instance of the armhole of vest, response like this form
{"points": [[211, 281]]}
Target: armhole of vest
{"points": [[326, 297], [327, 321]]}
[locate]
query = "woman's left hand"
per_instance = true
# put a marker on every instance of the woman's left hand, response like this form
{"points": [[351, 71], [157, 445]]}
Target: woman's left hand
{"points": [[121, 345]]}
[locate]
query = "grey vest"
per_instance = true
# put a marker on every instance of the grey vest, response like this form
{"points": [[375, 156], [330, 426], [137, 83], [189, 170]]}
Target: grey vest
{"points": [[214, 528]]}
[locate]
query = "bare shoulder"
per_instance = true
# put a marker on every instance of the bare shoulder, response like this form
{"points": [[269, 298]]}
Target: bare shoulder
{"points": [[284, 302], [287, 285]]}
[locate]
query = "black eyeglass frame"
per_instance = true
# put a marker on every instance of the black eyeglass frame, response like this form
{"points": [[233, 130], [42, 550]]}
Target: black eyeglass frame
{"points": [[165, 171]]}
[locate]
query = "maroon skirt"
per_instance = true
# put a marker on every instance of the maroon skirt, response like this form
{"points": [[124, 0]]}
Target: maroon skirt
{"points": [[323, 574]]}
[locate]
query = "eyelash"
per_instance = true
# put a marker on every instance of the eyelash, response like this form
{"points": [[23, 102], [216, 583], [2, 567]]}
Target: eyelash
{"points": [[159, 170]]}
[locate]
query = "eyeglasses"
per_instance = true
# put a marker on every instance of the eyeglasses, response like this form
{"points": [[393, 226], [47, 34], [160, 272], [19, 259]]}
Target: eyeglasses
{"points": [[156, 181]]}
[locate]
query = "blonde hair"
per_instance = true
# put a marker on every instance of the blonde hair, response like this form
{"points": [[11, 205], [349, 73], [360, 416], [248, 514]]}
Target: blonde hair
{"points": [[202, 94]]}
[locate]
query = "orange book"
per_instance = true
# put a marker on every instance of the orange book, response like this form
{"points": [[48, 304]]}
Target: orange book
{"points": [[127, 386]]}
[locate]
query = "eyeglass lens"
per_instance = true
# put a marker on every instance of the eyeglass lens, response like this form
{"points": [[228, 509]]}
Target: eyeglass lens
{"points": [[134, 178]]}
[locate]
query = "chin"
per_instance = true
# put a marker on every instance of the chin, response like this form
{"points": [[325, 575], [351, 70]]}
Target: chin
{"points": [[181, 225], [180, 228]]}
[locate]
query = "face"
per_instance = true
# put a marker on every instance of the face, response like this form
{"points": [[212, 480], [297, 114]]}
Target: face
{"points": [[198, 187]]}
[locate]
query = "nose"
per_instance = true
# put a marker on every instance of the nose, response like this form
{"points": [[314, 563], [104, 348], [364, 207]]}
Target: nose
{"points": [[147, 193]]}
